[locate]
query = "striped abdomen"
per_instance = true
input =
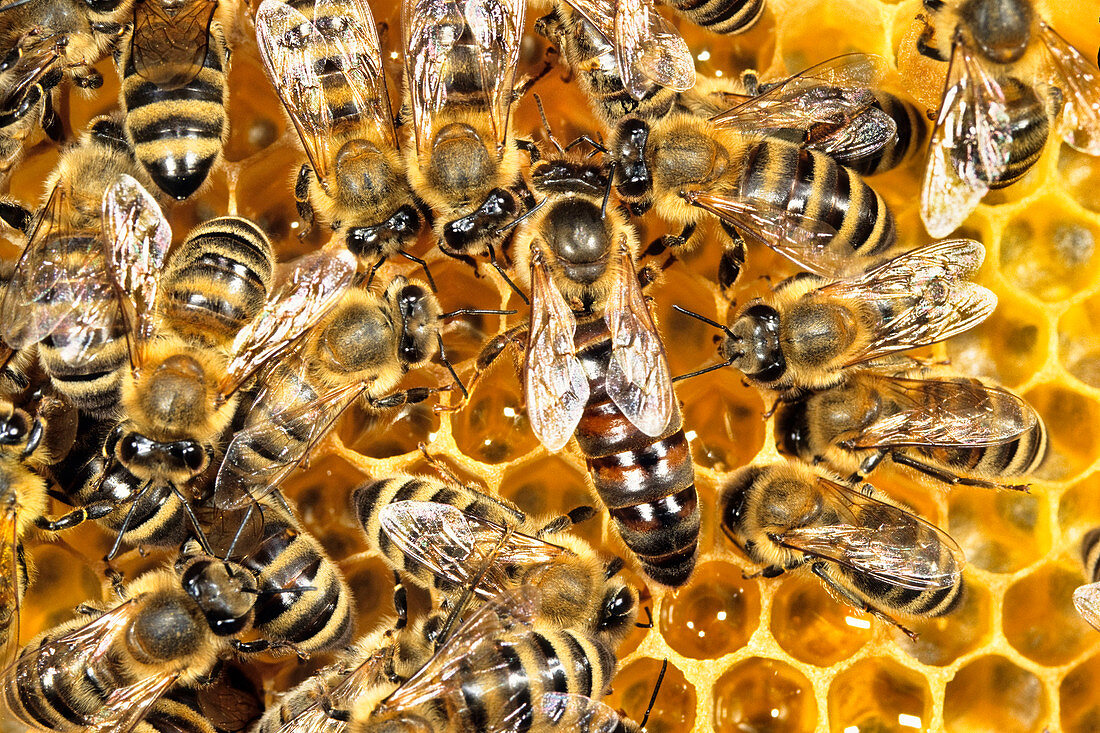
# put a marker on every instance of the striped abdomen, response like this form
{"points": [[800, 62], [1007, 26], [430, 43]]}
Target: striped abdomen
{"points": [[647, 483], [178, 134], [1029, 120], [372, 496], [721, 16], [289, 559], [910, 137], [92, 382], [1017, 457], [812, 184], [217, 281], [1090, 554]]}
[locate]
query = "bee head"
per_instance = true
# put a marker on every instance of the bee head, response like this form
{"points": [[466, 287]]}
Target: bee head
{"points": [[633, 177], [419, 314], [753, 346], [225, 591]]}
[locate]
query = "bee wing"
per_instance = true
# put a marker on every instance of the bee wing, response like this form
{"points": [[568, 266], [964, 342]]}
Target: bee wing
{"points": [[128, 706], [638, 378], [39, 58], [801, 239], [261, 456], [879, 540], [307, 289], [832, 101], [969, 145], [291, 45], [573, 711], [649, 50], [497, 26], [168, 48], [555, 384], [925, 293], [138, 238], [60, 286], [11, 595], [468, 651], [1080, 83], [454, 545], [1086, 599], [945, 413]]}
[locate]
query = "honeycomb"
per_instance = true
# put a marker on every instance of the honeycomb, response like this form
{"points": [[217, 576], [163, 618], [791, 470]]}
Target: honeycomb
{"points": [[745, 655]]}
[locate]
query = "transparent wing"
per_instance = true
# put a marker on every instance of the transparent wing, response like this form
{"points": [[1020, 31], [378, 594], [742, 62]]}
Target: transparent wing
{"points": [[1086, 599], [801, 239], [40, 55], [168, 45], [138, 237], [432, 29], [831, 101], [469, 651], [649, 50], [600, 14], [554, 380], [572, 711], [638, 378], [969, 145], [363, 677], [455, 546], [497, 28], [261, 456], [879, 540], [60, 286], [945, 413], [128, 706], [1080, 84], [344, 36], [306, 290], [11, 585], [922, 296]]}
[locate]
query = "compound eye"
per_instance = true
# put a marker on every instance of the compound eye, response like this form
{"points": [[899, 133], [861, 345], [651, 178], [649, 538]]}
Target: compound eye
{"points": [[14, 429], [134, 447], [617, 609], [190, 454]]}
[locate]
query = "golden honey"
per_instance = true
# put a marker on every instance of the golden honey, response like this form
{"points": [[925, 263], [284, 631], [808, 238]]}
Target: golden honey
{"points": [[743, 654]]}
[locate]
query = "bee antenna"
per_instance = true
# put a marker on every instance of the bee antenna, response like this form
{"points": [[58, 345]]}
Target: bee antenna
{"points": [[607, 193], [240, 530], [503, 274], [451, 369], [199, 534], [613, 567], [476, 312], [424, 265], [549, 132], [699, 317], [519, 219], [704, 370], [653, 697]]}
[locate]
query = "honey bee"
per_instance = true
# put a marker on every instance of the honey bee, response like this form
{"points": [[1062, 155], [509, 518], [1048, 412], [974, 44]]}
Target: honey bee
{"points": [[450, 537], [1086, 598], [113, 671], [497, 670], [627, 59], [595, 366], [1001, 96], [360, 351], [954, 429], [174, 93], [327, 69], [866, 549], [60, 295], [796, 199], [179, 396], [813, 330], [28, 75], [460, 66], [227, 701]]}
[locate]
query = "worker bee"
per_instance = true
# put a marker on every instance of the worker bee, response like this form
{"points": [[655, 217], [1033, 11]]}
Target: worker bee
{"points": [[112, 671], [460, 67], [179, 396], [60, 296], [327, 69], [174, 92], [796, 199], [595, 366], [1086, 598], [360, 351], [28, 75], [627, 60], [1001, 96], [867, 550], [812, 329], [955, 429], [451, 537]]}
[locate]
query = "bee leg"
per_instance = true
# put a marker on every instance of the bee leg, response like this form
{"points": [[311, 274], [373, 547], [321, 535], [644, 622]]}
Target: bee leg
{"points": [[515, 337], [564, 522], [16, 215], [51, 122], [843, 594], [339, 715], [869, 464], [400, 602], [951, 478], [529, 147], [771, 571], [924, 42], [732, 260], [93, 511], [301, 201]]}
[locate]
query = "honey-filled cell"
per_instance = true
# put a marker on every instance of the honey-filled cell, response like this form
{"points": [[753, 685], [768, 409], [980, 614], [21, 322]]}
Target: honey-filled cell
{"points": [[798, 32], [764, 695], [1078, 512], [942, 640], [388, 433], [812, 626], [1070, 449], [549, 487], [493, 427], [1077, 348], [1080, 177], [999, 531], [60, 583], [371, 582], [1040, 620], [713, 615], [723, 419], [1079, 697], [881, 695], [1008, 347], [674, 706], [1052, 256], [322, 497], [991, 694]]}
